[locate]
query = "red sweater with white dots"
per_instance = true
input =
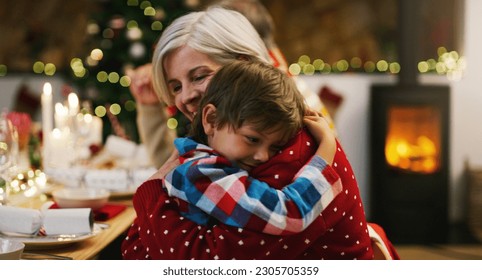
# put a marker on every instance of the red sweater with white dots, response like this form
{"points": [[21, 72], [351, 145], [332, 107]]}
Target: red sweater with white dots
{"points": [[340, 232]]}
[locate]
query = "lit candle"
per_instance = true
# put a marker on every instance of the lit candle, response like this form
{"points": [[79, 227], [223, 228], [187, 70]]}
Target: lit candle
{"points": [[95, 130], [73, 104], [61, 156], [47, 111], [61, 116]]}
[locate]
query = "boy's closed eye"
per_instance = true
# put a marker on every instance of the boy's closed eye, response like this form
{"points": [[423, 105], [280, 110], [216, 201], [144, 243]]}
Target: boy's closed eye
{"points": [[252, 140], [276, 149]]}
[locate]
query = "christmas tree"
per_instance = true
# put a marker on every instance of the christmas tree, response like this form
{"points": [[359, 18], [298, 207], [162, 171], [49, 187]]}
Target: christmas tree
{"points": [[121, 35]]}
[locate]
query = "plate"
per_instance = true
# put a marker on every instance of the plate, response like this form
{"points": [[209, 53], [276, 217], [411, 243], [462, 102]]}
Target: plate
{"points": [[52, 241]]}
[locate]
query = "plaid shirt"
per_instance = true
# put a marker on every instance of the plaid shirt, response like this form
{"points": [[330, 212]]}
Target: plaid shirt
{"points": [[215, 187]]}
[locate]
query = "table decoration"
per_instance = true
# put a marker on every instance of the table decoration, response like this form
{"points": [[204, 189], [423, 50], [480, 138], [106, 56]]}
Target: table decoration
{"points": [[23, 125], [47, 117], [28, 184], [119, 166], [61, 116], [73, 103], [61, 148], [68, 221], [27, 221], [111, 179], [8, 155], [20, 220]]}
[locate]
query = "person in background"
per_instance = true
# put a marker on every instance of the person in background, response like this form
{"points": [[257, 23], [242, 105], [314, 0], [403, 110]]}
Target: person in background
{"points": [[189, 53], [152, 116]]}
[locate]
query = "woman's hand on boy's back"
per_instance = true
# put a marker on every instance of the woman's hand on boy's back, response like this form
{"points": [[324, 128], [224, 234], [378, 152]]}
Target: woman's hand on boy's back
{"points": [[323, 134]]}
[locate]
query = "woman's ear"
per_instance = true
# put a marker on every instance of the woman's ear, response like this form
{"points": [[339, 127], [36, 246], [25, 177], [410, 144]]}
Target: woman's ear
{"points": [[209, 119]]}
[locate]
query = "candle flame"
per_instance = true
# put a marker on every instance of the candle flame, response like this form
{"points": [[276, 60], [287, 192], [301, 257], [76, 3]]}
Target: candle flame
{"points": [[60, 109], [88, 118], [47, 89]]}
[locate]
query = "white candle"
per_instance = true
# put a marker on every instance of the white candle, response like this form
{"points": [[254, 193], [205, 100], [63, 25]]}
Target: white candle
{"points": [[47, 118], [62, 155], [61, 116], [73, 101], [95, 130]]}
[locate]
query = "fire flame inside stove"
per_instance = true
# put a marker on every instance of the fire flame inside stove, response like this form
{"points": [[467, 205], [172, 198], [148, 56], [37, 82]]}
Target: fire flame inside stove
{"points": [[420, 156], [413, 139]]}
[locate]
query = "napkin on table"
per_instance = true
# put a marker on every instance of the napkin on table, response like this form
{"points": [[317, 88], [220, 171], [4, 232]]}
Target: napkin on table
{"points": [[120, 147], [20, 220], [53, 221], [68, 221]]}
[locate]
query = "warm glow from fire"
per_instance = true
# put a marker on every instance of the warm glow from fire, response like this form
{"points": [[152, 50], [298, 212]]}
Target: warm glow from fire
{"points": [[418, 157], [412, 142]]}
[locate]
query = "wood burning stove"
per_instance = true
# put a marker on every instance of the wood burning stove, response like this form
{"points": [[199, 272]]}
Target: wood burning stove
{"points": [[410, 147], [410, 162]]}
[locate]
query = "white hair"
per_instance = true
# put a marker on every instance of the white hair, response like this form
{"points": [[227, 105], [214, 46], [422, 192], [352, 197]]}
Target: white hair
{"points": [[223, 35]]}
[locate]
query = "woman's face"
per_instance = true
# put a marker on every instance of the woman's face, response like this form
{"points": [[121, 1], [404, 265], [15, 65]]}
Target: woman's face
{"points": [[188, 73]]}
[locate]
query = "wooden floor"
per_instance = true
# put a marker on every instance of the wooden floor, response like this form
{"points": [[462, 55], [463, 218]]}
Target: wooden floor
{"points": [[463, 246], [440, 252]]}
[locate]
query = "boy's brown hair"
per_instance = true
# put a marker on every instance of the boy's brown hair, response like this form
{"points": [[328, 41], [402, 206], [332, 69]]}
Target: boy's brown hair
{"points": [[255, 92]]}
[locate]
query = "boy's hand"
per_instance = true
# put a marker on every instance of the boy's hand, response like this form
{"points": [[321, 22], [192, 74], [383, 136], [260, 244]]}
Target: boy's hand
{"points": [[323, 134]]}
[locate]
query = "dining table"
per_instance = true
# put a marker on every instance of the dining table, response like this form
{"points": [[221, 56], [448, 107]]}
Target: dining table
{"points": [[89, 248]]}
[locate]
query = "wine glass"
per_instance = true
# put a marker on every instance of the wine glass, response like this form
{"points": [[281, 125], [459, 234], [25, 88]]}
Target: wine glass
{"points": [[8, 154]]}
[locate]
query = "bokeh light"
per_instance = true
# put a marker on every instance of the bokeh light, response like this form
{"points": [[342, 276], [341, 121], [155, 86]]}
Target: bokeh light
{"points": [[294, 69], [100, 111], [96, 54], [115, 109], [130, 105], [50, 69], [125, 81], [149, 11], [102, 76], [113, 77], [172, 123], [38, 67], [156, 25]]}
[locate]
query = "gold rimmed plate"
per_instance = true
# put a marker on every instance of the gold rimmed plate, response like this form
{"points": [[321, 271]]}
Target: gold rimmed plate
{"points": [[33, 242]]}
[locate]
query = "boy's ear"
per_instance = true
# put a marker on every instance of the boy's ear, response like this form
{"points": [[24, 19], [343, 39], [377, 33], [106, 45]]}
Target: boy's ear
{"points": [[209, 119]]}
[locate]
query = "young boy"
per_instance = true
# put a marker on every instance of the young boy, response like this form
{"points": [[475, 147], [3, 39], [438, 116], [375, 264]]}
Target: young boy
{"points": [[250, 111]]}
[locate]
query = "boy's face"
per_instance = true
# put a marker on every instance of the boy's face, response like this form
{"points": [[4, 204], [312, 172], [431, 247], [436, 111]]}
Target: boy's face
{"points": [[246, 146]]}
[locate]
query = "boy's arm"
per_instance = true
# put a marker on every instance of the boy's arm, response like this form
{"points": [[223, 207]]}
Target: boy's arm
{"points": [[229, 195], [160, 232]]}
